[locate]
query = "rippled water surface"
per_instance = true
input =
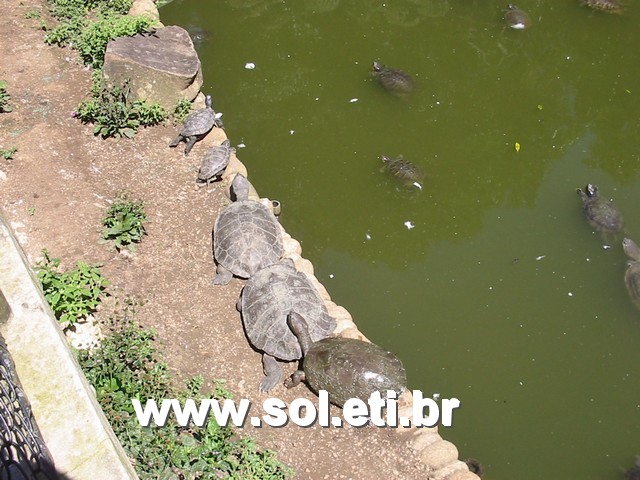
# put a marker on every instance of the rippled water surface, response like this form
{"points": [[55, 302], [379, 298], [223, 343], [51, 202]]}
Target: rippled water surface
{"points": [[489, 284]]}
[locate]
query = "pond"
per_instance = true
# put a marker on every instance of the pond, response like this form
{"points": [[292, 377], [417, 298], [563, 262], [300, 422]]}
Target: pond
{"points": [[488, 283]]}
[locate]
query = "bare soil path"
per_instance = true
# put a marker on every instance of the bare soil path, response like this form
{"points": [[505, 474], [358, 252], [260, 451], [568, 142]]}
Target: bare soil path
{"points": [[55, 192]]}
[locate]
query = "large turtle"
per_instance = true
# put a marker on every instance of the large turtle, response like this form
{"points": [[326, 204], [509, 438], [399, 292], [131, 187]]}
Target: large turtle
{"points": [[266, 300], [601, 213], [634, 472], [608, 6], [345, 367], [392, 79], [215, 161], [407, 172], [632, 274], [516, 18], [246, 236], [197, 125]]}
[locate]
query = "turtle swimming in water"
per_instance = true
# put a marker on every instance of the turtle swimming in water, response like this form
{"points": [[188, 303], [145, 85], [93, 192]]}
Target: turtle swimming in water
{"points": [[408, 173], [246, 236], [608, 6], [516, 18], [634, 472], [601, 213], [215, 161], [197, 125], [266, 300], [345, 367], [632, 274], [392, 79]]}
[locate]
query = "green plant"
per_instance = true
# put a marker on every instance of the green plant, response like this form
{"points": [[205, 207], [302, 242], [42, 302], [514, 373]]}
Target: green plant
{"points": [[124, 222], [4, 98], [8, 153], [183, 107], [31, 14], [72, 294], [113, 112], [127, 366]]}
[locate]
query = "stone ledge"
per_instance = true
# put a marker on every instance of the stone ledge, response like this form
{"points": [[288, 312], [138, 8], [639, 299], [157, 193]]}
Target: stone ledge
{"points": [[78, 435]]}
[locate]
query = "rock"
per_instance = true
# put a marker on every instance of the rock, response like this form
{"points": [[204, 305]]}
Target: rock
{"points": [[146, 8], [439, 454], [163, 66]]}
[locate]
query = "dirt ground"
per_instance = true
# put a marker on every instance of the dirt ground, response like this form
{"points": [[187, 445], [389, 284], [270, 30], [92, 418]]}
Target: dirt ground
{"points": [[55, 192]]}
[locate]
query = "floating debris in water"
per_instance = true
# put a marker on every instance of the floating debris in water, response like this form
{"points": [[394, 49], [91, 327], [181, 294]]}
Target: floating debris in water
{"points": [[241, 145], [331, 275], [540, 257], [249, 65], [353, 100], [570, 294], [409, 224], [367, 236], [291, 132]]}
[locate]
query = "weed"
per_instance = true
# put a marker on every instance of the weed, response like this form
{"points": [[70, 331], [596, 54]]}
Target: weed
{"points": [[124, 222], [31, 14], [127, 366], [8, 153], [31, 211], [181, 111], [4, 98], [113, 112], [72, 294]]}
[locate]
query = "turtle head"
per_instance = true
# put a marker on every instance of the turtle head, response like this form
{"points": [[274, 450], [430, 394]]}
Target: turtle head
{"points": [[241, 187], [208, 101], [631, 249], [591, 190], [376, 66]]}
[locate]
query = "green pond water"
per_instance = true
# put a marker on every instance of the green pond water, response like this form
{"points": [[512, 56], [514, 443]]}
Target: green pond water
{"points": [[489, 284]]}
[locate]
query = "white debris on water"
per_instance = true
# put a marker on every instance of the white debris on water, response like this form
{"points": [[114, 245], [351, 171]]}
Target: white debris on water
{"points": [[291, 132], [353, 100], [409, 224], [367, 236], [331, 275], [540, 257], [249, 65], [241, 145]]}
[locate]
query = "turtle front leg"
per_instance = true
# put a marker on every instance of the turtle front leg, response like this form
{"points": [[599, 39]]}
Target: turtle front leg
{"points": [[223, 276], [176, 141], [272, 371], [191, 141], [295, 379]]}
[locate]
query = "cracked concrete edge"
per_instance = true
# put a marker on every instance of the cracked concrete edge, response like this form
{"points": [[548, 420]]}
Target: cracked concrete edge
{"points": [[439, 455], [78, 435]]}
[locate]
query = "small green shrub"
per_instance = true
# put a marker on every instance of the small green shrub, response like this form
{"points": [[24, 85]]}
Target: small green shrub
{"points": [[72, 294], [31, 14], [183, 108], [124, 222], [113, 112], [127, 366], [4, 98], [8, 153]]}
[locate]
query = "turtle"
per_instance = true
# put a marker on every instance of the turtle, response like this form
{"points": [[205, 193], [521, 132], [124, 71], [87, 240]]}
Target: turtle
{"points": [[267, 298], [345, 367], [516, 18], [197, 125], [246, 236], [608, 6], [215, 161], [410, 174], [601, 213], [634, 472], [392, 79], [475, 466], [632, 274]]}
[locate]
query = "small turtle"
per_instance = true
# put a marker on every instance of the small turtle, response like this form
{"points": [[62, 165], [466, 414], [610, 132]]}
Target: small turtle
{"points": [[345, 367], [246, 236], [392, 79], [268, 297], [601, 213], [215, 161], [197, 125], [608, 6], [516, 18], [475, 466], [632, 274], [634, 472], [404, 170]]}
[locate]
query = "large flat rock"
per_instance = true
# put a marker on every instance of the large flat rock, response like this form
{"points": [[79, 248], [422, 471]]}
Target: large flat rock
{"points": [[163, 66]]}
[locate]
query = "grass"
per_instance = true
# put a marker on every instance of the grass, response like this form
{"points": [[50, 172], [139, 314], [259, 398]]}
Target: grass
{"points": [[127, 366], [124, 222], [4, 98], [8, 153]]}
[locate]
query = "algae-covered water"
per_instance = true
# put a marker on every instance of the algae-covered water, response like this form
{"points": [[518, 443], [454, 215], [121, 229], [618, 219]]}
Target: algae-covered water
{"points": [[489, 284]]}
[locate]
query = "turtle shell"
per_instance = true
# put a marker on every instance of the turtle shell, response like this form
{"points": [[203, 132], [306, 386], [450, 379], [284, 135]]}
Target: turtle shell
{"points": [[350, 368], [601, 213], [246, 238], [267, 299], [632, 274], [393, 79], [608, 6], [404, 170], [199, 122], [215, 161]]}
